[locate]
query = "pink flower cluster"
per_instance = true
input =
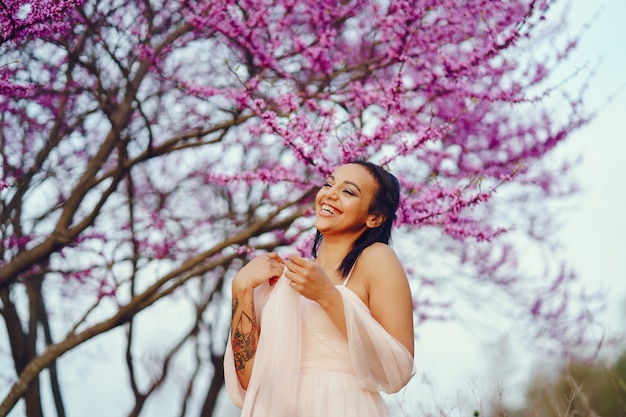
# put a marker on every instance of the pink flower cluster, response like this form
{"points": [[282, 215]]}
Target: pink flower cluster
{"points": [[413, 81], [33, 19]]}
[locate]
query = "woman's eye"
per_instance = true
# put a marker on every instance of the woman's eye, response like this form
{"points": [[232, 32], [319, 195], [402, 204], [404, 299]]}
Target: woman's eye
{"points": [[349, 192], [327, 184]]}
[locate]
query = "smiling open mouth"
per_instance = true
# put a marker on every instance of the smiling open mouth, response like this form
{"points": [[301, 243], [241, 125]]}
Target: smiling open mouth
{"points": [[330, 209]]}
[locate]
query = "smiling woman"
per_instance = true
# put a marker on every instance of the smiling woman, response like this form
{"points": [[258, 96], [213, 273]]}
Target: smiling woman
{"points": [[343, 206], [336, 329], [383, 194]]}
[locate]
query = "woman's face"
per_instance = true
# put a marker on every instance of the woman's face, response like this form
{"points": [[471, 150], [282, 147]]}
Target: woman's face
{"points": [[342, 204]]}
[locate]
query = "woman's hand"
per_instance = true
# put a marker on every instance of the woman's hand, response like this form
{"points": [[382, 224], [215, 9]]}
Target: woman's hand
{"points": [[308, 278], [266, 267]]}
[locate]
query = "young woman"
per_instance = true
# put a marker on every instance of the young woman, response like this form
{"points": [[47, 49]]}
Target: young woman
{"points": [[321, 337]]}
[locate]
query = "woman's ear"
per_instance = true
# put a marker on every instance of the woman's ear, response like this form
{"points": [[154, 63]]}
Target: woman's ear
{"points": [[375, 220]]}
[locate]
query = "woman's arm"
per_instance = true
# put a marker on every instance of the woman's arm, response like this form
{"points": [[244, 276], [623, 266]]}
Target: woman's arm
{"points": [[245, 329], [245, 332], [387, 287], [390, 300]]}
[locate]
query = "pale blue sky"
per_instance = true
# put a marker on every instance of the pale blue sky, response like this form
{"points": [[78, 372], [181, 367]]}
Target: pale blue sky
{"points": [[595, 232]]}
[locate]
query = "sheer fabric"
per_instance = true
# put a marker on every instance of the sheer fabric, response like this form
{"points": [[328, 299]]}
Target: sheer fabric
{"points": [[305, 367]]}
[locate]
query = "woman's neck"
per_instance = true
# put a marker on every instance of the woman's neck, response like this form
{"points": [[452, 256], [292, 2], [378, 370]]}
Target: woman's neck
{"points": [[332, 252]]}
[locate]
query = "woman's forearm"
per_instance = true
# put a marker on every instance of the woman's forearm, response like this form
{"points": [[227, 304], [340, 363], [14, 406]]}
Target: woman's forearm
{"points": [[244, 332]]}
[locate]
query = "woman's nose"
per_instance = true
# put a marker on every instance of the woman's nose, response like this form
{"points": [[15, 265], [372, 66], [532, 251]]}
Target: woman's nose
{"points": [[332, 192]]}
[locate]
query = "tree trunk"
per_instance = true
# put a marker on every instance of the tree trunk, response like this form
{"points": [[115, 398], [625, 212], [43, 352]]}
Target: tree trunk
{"points": [[216, 385]]}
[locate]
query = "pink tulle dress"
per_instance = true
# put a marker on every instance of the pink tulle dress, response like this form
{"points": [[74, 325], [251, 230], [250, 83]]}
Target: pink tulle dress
{"points": [[305, 367]]}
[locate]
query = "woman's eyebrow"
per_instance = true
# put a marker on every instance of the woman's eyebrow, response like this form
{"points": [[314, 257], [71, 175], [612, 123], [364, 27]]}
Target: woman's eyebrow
{"points": [[353, 184], [332, 177]]}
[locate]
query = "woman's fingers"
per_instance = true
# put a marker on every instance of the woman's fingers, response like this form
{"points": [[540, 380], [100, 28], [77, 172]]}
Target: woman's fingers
{"points": [[300, 265], [276, 267], [304, 272], [274, 263], [275, 257], [300, 261], [295, 269], [261, 269]]}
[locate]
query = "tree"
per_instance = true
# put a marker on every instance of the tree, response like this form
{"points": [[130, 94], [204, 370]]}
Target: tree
{"points": [[579, 389], [154, 146]]}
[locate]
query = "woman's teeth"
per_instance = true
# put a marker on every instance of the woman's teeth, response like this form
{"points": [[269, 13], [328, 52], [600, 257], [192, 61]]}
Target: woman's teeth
{"points": [[329, 209]]}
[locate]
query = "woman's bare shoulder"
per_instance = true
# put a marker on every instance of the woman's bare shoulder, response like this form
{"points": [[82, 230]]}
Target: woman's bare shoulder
{"points": [[378, 260], [379, 255]]}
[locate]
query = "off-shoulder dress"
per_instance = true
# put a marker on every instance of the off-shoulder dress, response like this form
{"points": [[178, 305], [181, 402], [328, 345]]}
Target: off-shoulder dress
{"points": [[305, 367]]}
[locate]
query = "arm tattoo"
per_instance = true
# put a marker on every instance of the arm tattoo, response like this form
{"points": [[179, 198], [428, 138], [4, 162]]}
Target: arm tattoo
{"points": [[244, 338], [235, 305]]}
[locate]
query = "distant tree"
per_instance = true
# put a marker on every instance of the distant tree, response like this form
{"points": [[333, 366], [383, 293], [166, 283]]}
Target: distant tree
{"points": [[580, 389], [150, 147]]}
